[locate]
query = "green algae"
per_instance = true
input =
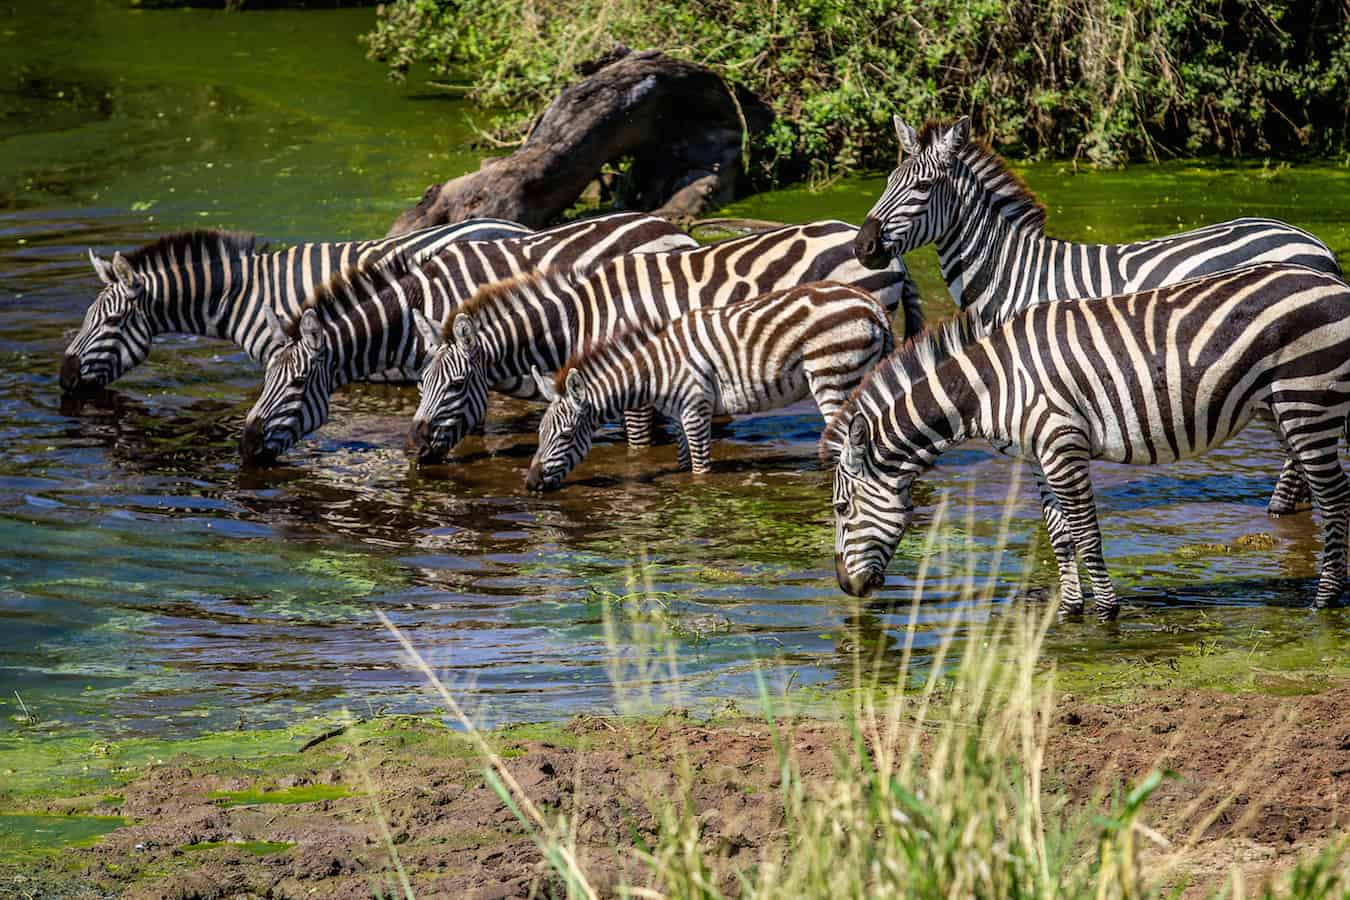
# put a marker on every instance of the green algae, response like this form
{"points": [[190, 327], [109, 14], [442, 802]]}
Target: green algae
{"points": [[309, 793], [27, 834], [254, 848]]}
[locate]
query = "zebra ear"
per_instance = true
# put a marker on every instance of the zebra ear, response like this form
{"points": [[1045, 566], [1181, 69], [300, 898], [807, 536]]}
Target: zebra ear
{"points": [[430, 334], [575, 384], [466, 332], [855, 448], [123, 270], [955, 137], [276, 326], [909, 138], [544, 384], [101, 266], [311, 332]]}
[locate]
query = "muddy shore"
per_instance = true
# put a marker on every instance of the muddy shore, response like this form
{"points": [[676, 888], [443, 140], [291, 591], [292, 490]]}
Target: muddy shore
{"points": [[1262, 780]]}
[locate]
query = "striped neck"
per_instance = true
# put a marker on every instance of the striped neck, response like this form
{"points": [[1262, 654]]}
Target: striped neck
{"points": [[190, 285], [623, 375], [996, 233], [374, 334]]}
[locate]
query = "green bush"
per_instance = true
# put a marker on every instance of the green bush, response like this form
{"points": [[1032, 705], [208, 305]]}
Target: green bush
{"points": [[1097, 80]]}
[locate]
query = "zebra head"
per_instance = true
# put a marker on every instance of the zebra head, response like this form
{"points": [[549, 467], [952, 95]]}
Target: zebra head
{"points": [[453, 386], [116, 333], [565, 432], [919, 203], [295, 391], [872, 512]]}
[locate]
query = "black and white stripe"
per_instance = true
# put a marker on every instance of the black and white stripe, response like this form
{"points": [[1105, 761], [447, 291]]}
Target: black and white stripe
{"points": [[217, 284], [1142, 378], [989, 230], [817, 340], [361, 321], [539, 321]]}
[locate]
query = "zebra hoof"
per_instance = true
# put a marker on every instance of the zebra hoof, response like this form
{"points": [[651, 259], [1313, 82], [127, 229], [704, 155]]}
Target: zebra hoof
{"points": [[1279, 508], [1070, 611]]}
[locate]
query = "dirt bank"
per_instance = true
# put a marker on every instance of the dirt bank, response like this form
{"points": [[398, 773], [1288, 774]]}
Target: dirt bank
{"points": [[1263, 779]]}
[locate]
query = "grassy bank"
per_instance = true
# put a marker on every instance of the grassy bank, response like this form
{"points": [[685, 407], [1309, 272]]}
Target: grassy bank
{"points": [[1096, 80], [981, 778]]}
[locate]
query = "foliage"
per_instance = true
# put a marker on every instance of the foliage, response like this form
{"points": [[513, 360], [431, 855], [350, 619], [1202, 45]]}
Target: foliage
{"points": [[1099, 80]]}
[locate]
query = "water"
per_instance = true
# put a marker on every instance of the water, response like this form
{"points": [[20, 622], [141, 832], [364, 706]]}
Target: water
{"points": [[148, 585]]}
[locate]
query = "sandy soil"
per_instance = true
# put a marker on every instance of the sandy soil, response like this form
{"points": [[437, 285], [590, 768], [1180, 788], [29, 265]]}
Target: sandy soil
{"points": [[1263, 779]]}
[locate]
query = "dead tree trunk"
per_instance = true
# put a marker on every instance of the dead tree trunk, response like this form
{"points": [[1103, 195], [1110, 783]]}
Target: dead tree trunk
{"points": [[682, 125]]}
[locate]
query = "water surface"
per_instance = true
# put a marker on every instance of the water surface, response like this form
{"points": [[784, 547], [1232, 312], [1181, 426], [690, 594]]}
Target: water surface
{"points": [[147, 584]]}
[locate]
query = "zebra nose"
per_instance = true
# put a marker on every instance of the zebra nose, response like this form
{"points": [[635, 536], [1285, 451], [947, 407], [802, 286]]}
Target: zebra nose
{"points": [[534, 479], [867, 245], [853, 585], [70, 373], [419, 444], [251, 444]]}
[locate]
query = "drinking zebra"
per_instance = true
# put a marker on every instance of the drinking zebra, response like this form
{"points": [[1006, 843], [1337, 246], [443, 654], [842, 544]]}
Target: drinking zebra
{"points": [[816, 339], [997, 260], [217, 284], [1138, 378], [539, 321], [357, 324]]}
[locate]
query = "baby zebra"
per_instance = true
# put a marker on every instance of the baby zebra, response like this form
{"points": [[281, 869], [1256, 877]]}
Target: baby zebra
{"points": [[1151, 377], [819, 338]]}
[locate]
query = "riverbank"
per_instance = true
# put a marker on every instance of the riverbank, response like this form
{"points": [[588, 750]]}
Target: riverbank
{"points": [[329, 810]]}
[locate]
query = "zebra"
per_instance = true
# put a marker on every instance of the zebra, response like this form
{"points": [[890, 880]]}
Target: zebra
{"points": [[1142, 378], [538, 321], [217, 284], [755, 355], [357, 323], [997, 260]]}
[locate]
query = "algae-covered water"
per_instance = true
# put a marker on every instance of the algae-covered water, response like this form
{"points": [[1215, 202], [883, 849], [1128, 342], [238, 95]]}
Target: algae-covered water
{"points": [[149, 586]]}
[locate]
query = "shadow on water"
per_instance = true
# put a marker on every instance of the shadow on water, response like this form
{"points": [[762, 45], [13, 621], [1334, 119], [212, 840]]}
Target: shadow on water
{"points": [[148, 583]]}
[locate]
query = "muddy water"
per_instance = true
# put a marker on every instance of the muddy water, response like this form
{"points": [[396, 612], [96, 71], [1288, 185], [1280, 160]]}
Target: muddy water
{"points": [[149, 585]]}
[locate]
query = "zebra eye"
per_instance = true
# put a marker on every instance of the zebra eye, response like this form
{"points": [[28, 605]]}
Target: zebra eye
{"points": [[114, 320], [841, 507]]}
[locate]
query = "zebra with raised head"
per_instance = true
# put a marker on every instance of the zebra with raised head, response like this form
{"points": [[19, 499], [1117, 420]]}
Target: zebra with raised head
{"points": [[817, 340], [989, 230], [358, 324], [1142, 378], [217, 284], [539, 321]]}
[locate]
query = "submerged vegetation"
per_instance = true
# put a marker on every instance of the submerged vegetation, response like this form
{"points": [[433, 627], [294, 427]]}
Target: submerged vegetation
{"points": [[1097, 80]]}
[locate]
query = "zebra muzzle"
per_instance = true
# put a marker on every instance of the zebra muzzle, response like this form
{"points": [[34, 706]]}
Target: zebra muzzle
{"points": [[867, 246], [70, 374], [252, 449], [856, 585], [419, 444]]}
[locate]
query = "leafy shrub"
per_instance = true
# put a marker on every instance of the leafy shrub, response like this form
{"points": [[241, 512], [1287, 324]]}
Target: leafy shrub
{"points": [[1097, 80]]}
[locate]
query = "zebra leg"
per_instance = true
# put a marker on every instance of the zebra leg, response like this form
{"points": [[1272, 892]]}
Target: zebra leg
{"points": [[1291, 492], [1068, 478], [1315, 446], [696, 447], [1062, 543], [637, 426]]}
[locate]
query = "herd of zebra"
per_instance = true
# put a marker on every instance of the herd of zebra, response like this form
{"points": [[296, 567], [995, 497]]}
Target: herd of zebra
{"points": [[620, 316]]}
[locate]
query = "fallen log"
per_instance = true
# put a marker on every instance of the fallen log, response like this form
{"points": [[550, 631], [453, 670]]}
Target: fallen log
{"points": [[682, 125]]}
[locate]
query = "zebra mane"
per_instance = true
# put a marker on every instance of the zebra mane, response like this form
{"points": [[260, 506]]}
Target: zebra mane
{"points": [[627, 336], [173, 246], [507, 290], [911, 363], [1012, 199], [354, 283]]}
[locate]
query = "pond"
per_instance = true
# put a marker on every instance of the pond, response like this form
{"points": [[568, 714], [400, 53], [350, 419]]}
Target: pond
{"points": [[148, 585]]}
